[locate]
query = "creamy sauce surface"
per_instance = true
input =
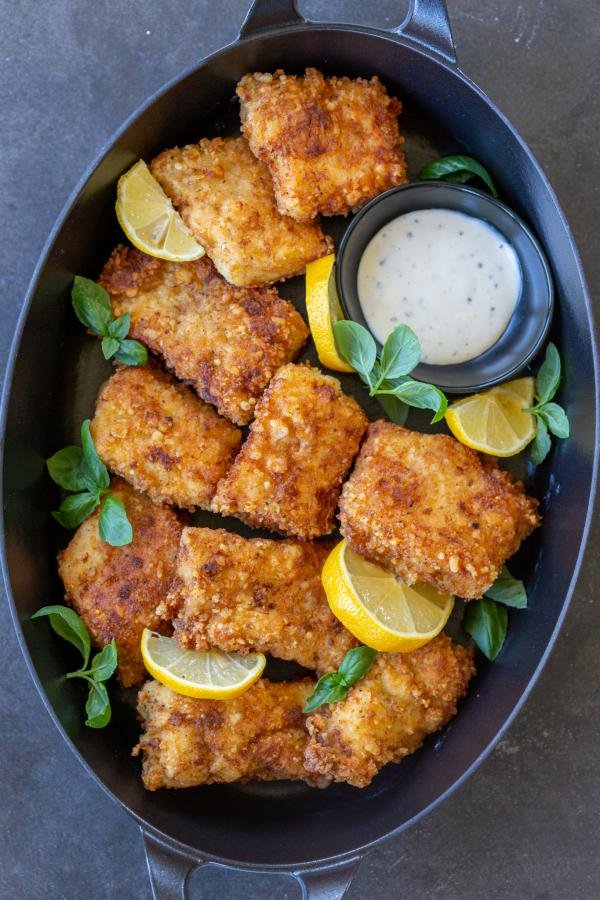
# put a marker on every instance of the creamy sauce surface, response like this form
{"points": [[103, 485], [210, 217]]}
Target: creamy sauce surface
{"points": [[453, 278]]}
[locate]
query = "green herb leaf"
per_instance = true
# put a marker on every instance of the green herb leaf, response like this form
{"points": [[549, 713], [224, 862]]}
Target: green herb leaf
{"points": [[109, 346], [97, 469], [395, 409], [91, 304], [114, 526], [328, 689], [487, 623], [400, 354], [356, 347], [555, 418], [449, 167], [334, 686], [356, 664], [508, 590], [97, 706], [422, 396], [68, 469], [541, 444], [104, 663], [68, 625], [548, 378], [132, 353], [119, 328], [75, 509]]}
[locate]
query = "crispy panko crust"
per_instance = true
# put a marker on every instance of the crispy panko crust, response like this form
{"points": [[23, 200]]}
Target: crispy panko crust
{"points": [[155, 433], [260, 736], [116, 590], [244, 595], [330, 144], [288, 475], [225, 197], [429, 509], [389, 713], [226, 342]]}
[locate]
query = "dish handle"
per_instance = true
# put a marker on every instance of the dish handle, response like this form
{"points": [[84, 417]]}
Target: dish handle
{"points": [[169, 871], [426, 23]]}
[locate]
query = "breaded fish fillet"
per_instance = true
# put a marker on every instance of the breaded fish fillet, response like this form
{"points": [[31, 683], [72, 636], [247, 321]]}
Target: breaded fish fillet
{"points": [[116, 590], [330, 144], [255, 595], [389, 713], [260, 736], [430, 509], [225, 197], [226, 342], [288, 474], [154, 432]]}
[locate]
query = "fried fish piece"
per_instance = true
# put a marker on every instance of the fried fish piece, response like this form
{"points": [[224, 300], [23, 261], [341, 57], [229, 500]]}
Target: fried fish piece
{"points": [[244, 595], [389, 713], [330, 144], [116, 590], [288, 475], [225, 197], [226, 342], [259, 736], [155, 433], [429, 509]]}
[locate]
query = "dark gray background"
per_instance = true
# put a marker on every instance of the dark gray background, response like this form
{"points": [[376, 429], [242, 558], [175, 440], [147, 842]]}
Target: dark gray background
{"points": [[526, 824]]}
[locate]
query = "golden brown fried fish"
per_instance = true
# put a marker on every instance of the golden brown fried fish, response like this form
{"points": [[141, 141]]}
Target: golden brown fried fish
{"points": [[255, 595], [260, 736], [116, 589], [389, 713], [225, 197], [429, 509], [155, 433], [226, 342], [330, 144], [288, 474]]}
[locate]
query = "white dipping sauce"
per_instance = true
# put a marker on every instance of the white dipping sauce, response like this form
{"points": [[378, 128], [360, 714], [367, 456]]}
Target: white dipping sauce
{"points": [[453, 278]]}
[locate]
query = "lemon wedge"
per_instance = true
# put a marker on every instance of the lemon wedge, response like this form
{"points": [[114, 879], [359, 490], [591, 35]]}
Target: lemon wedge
{"points": [[323, 309], [493, 421], [208, 674], [377, 608], [149, 219]]}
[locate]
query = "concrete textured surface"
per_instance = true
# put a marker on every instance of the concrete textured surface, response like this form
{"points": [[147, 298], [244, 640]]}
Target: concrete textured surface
{"points": [[526, 824]]}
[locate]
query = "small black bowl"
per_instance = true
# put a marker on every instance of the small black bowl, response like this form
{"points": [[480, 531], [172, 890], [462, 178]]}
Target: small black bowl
{"points": [[530, 322]]}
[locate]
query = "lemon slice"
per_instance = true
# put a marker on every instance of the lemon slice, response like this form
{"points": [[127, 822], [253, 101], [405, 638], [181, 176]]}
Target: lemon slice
{"points": [[377, 608], [149, 219], [208, 674], [323, 309], [494, 421]]}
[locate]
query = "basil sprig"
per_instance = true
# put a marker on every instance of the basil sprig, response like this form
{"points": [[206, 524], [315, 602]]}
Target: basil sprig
{"points": [[457, 169], [334, 686], [68, 625], [81, 469], [551, 417], [92, 307], [486, 620], [388, 378]]}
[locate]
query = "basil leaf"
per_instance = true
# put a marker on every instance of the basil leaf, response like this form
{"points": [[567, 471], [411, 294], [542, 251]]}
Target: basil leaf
{"points": [[401, 353], [97, 469], [114, 526], [547, 379], [119, 328], [91, 304], [104, 663], [110, 346], [97, 706], [508, 590], [395, 409], [487, 623], [68, 469], [356, 347], [75, 509], [555, 418], [328, 689], [68, 625], [441, 169], [458, 177], [355, 664], [422, 396], [132, 353], [541, 444]]}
